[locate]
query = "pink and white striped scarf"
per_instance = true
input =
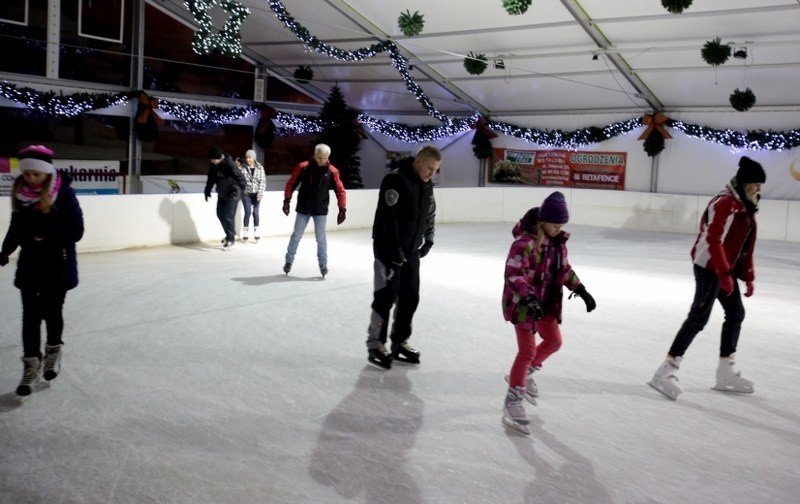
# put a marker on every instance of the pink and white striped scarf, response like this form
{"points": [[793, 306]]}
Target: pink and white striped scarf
{"points": [[28, 196]]}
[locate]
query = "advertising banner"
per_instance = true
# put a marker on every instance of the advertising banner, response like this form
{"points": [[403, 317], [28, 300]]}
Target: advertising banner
{"points": [[88, 177], [590, 169]]}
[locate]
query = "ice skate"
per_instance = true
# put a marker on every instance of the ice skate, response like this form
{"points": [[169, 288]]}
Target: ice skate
{"points": [[30, 376], [379, 357], [514, 415], [52, 362], [245, 234], [227, 245], [287, 268], [531, 389], [323, 270], [256, 236], [403, 352], [730, 380], [665, 380]]}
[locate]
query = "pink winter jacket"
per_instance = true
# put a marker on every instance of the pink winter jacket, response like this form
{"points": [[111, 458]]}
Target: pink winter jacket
{"points": [[542, 273]]}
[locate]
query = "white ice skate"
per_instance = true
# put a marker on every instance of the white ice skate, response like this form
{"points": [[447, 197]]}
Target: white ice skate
{"points": [[665, 380], [730, 380], [514, 415], [531, 389]]}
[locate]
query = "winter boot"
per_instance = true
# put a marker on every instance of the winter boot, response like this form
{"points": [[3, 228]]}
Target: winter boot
{"points": [[730, 380], [52, 361], [514, 415], [245, 234], [256, 236], [380, 357], [665, 380], [403, 352], [30, 375]]}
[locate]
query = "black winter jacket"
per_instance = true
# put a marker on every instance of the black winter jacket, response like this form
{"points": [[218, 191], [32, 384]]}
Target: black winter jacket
{"points": [[405, 215], [228, 178], [47, 257], [313, 184]]}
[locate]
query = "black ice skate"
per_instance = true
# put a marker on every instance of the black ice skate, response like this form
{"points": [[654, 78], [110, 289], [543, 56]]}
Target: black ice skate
{"points": [[380, 357], [404, 353], [323, 270], [287, 268]]}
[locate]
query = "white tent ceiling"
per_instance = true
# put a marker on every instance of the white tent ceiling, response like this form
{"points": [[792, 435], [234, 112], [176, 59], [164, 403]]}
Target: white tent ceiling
{"points": [[646, 59]]}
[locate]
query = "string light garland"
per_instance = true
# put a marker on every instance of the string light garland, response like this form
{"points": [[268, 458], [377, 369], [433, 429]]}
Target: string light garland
{"points": [[53, 104], [228, 40], [201, 117], [417, 134]]}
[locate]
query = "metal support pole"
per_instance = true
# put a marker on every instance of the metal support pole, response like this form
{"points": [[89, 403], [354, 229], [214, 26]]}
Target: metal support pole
{"points": [[53, 37], [137, 83]]}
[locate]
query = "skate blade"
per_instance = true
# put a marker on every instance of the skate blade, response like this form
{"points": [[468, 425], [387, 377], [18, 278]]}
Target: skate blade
{"points": [[379, 365], [523, 429], [664, 392], [732, 390], [407, 362]]}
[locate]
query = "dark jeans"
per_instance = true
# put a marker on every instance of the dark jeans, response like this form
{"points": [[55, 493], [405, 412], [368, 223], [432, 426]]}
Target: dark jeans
{"points": [[706, 291], [251, 203], [393, 284], [41, 305], [226, 213]]}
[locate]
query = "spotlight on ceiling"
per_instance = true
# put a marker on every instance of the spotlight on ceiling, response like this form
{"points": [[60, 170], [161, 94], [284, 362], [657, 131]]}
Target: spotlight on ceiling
{"points": [[740, 53], [499, 64]]}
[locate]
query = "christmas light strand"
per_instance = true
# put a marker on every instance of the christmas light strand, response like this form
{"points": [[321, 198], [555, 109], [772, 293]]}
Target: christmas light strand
{"points": [[418, 134], [756, 140], [203, 117], [566, 139], [50, 103]]}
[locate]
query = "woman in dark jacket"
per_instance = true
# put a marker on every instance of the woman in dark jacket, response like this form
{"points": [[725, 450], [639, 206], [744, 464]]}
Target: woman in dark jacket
{"points": [[46, 221]]}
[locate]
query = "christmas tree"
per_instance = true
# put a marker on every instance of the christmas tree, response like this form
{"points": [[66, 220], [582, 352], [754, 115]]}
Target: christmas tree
{"points": [[341, 131]]}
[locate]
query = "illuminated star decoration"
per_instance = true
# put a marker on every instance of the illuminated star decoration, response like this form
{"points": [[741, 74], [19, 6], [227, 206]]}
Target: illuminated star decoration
{"points": [[228, 40]]}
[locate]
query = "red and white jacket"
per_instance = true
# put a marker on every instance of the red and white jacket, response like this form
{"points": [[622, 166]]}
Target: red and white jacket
{"points": [[727, 237]]}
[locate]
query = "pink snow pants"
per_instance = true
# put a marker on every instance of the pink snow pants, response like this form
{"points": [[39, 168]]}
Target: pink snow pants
{"points": [[529, 354]]}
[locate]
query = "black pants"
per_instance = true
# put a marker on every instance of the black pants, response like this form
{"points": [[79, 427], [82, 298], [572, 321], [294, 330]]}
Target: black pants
{"points": [[706, 291], [393, 285], [251, 203], [41, 305], [226, 213]]}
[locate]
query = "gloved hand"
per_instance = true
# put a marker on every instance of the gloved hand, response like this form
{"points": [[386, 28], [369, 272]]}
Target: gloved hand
{"points": [[342, 215], [286, 206], [208, 195], [534, 308], [726, 283], [397, 257], [587, 298], [3, 259], [425, 248], [750, 289]]}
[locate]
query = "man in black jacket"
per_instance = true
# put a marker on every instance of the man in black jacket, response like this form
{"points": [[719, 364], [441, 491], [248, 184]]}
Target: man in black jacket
{"points": [[230, 182], [313, 180], [401, 235]]}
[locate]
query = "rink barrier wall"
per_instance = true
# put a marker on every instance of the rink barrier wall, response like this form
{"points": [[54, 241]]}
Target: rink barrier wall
{"points": [[115, 222]]}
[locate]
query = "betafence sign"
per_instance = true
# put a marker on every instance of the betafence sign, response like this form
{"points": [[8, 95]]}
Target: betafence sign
{"points": [[596, 170], [88, 177]]}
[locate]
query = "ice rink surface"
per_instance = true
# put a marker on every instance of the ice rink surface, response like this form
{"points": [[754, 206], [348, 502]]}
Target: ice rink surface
{"points": [[193, 375]]}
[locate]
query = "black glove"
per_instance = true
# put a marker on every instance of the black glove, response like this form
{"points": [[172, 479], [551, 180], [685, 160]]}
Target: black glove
{"points": [[342, 215], [397, 257], [425, 248], [534, 307], [286, 206], [587, 298], [3, 259], [208, 195]]}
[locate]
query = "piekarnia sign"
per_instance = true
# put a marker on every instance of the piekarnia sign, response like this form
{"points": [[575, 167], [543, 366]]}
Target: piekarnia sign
{"points": [[596, 170]]}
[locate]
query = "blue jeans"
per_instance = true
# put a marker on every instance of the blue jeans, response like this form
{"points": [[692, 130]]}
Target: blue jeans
{"points": [[251, 204], [300, 223]]}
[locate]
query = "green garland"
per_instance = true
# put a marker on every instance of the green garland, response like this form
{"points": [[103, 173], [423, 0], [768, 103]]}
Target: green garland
{"points": [[715, 53], [676, 6], [303, 74], [411, 24], [654, 144], [475, 63], [516, 7], [228, 41], [743, 100]]}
